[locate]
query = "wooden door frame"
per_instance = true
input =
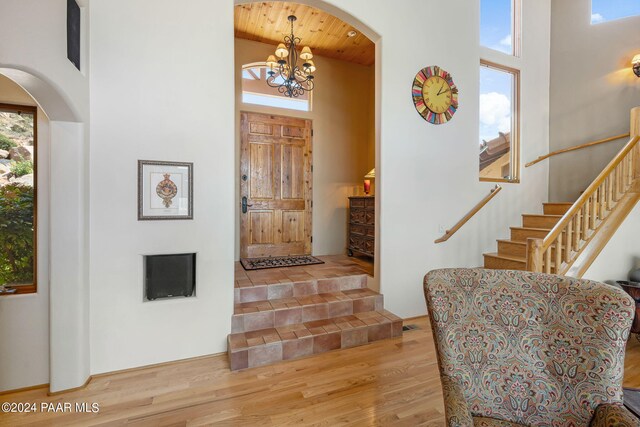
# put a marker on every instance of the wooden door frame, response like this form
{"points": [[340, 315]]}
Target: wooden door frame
{"points": [[308, 177]]}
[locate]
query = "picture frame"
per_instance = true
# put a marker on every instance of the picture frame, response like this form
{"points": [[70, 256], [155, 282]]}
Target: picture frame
{"points": [[165, 190]]}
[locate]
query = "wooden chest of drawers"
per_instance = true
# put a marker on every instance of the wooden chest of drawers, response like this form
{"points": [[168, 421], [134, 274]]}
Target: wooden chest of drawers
{"points": [[362, 225]]}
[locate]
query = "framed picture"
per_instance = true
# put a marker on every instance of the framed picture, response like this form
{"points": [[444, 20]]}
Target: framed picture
{"points": [[165, 190]]}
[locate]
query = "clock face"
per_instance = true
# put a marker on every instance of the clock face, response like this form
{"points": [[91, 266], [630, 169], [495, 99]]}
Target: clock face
{"points": [[435, 95]]}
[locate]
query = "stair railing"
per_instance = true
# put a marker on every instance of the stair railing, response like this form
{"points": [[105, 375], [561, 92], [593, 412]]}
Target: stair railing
{"points": [[477, 208], [576, 147], [555, 253], [560, 248]]}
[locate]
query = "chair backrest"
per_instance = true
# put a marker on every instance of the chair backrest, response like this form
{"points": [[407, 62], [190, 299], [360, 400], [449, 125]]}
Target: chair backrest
{"points": [[530, 348]]}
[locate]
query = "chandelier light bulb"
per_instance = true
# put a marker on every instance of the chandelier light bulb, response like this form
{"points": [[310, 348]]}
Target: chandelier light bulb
{"points": [[310, 67], [271, 62], [306, 54], [282, 51]]}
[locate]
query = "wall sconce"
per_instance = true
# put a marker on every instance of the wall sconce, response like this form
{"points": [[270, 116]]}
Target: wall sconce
{"points": [[367, 180], [636, 65]]}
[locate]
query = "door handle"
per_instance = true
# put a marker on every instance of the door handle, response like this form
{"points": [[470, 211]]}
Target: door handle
{"points": [[245, 205]]}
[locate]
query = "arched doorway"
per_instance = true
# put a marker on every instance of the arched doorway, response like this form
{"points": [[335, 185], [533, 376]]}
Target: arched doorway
{"points": [[65, 242], [372, 35]]}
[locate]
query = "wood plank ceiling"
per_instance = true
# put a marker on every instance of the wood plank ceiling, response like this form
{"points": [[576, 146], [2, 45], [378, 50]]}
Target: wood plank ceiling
{"points": [[325, 34]]}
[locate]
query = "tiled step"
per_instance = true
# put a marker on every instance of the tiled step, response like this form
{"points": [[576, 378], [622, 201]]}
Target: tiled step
{"points": [[247, 291], [540, 221], [556, 208], [267, 346], [521, 234], [251, 316], [504, 262]]}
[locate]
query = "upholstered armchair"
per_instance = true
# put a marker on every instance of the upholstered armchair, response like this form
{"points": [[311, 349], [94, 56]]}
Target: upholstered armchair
{"points": [[529, 349]]}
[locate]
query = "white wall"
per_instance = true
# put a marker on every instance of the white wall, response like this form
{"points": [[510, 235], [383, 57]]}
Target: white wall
{"points": [[159, 91], [24, 335], [428, 175], [343, 141], [592, 90], [621, 255]]}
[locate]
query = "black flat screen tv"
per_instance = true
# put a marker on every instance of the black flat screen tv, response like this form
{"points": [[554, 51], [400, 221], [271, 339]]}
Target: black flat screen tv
{"points": [[167, 276]]}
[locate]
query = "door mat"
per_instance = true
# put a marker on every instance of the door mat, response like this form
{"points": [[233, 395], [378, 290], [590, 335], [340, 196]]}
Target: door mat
{"points": [[280, 261]]}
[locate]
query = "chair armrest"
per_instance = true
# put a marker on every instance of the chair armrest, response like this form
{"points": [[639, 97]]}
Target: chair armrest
{"points": [[614, 415], [455, 405]]}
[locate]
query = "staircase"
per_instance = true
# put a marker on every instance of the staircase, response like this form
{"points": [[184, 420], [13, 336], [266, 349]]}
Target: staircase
{"points": [[568, 237], [302, 315], [512, 252]]}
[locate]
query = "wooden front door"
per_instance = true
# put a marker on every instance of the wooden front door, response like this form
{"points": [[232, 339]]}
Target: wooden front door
{"points": [[275, 186]]}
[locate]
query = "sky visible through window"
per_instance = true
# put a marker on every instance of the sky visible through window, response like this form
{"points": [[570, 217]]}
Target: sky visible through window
{"points": [[495, 102], [608, 10], [495, 25], [495, 86]]}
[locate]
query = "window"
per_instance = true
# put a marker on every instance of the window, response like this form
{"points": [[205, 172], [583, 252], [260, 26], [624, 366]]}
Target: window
{"points": [[499, 120], [608, 10], [500, 25], [18, 197], [256, 91]]}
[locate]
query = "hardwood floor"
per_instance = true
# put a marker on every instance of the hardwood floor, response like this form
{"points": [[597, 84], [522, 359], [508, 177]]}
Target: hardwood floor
{"points": [[392, 382]]}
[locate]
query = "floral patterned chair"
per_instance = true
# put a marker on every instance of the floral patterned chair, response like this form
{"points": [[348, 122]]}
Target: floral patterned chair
{"points": [[518, 348]]}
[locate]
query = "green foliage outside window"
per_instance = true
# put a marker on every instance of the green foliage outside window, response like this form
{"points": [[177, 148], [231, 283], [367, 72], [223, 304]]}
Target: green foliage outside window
{"points": [[6, 143], [21, 168], [16, 234]]}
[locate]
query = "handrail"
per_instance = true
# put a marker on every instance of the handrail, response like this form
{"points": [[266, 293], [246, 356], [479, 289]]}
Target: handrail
{"points": [[447, 235], [591, 189], [576, 147], [581, 220]]}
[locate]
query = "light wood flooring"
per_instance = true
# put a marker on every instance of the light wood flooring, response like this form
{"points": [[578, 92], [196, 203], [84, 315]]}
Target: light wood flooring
{"points": [[392, 382]]}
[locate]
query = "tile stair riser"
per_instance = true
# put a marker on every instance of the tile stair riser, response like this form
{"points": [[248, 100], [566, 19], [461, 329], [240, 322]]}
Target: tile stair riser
{"points": [[296, 289], [288, 316], [289, 349]]}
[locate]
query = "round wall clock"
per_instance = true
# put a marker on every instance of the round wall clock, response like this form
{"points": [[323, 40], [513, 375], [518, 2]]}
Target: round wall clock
{"points": [[435, 95]]}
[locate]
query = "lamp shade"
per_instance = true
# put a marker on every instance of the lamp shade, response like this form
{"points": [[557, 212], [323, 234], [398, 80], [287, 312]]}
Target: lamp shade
{"points": [[309, 67], [371, 174], [306, 53], [281, 51], [271, 62]]}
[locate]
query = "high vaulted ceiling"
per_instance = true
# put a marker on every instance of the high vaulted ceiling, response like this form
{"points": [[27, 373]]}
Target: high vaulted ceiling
{"points": [[325, 34]]}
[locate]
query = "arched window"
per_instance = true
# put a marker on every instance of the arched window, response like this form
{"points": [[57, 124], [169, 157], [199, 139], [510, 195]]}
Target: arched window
{"points": [[256, 91]]}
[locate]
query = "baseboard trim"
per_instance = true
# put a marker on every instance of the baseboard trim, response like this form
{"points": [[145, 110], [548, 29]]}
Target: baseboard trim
{"points": [[158, 365], [408, 319], [70, 390], [23, 389], [129, 370]]}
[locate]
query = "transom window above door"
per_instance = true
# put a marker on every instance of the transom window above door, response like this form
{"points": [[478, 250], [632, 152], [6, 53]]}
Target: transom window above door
{"points": [[256, 91]]}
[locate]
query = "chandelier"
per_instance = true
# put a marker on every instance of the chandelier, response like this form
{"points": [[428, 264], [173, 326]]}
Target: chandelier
{"points": [[284, 73]]}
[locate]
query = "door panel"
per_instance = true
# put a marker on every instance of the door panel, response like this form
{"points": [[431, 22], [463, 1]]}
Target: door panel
{"points": [[262, 182], [293, 132], [292, 226], [292, 173], [275, 172], [261, 128], [261, 227]]}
